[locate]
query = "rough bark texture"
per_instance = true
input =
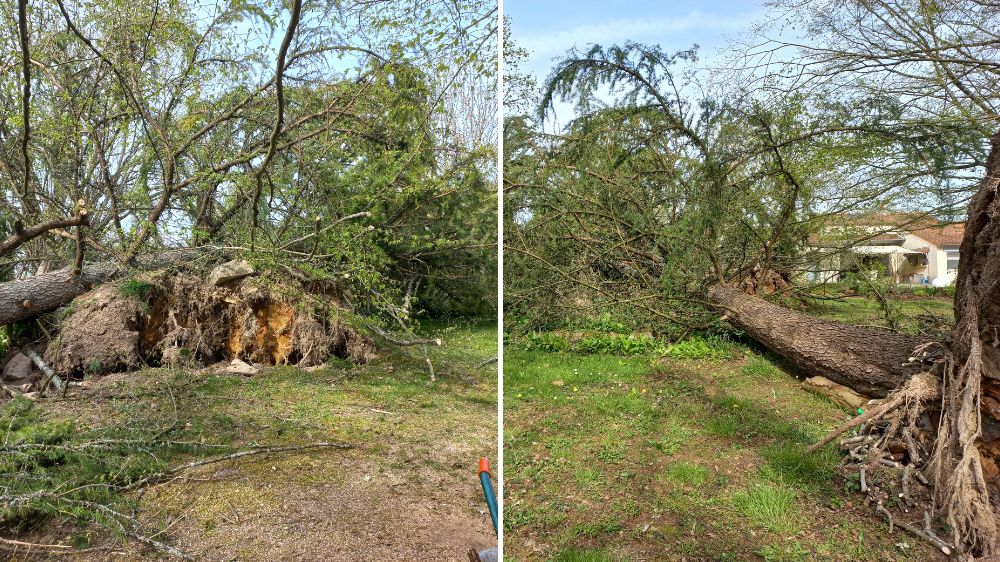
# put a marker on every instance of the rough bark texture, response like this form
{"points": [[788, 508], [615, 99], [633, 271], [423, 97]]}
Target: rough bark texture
{"points": [[961, 486], [868, 361], [977, 295], [26, 298], [22, 235]]}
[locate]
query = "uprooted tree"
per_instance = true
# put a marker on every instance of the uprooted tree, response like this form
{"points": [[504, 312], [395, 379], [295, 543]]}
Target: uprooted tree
{"points": [[344, 170], [680, 205]]}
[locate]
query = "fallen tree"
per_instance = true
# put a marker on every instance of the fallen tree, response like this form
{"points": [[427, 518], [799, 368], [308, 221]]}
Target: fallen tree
{"points": [[958, 378], [651, 196], [22, 299], [872, 362]]}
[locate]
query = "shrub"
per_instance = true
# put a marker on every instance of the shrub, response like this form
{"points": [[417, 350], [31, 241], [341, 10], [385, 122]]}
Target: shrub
{"points": [[619, 344], [701, 348], [605, 323], [545, 342]]}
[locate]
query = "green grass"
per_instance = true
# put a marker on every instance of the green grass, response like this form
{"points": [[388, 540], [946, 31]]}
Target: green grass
{"points": [[136, 288], [647, 458], [866, 311], [769, 505], [576, 555], [687, 474]]}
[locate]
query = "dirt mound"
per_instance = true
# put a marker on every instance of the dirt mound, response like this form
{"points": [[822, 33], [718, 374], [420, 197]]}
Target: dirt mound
{"points": [[178, 319], [101, 334]]}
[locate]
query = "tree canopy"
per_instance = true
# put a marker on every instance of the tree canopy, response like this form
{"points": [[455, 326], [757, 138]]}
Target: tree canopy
{"points": [[338, 140], [670, 179]]}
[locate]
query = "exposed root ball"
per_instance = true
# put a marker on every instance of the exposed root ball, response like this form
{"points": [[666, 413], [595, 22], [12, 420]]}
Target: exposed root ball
{"points": [[179, 320], [102, 333]]}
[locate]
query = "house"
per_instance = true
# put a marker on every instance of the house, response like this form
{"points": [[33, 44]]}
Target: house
{"points": [[908, 248]]}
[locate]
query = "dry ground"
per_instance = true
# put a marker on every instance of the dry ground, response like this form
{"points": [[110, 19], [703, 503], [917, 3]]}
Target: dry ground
{"points": [[407, 489]]}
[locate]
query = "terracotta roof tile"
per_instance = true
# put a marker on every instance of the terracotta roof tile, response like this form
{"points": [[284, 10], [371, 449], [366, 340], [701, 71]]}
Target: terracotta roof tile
{"points": [[942, 235]]}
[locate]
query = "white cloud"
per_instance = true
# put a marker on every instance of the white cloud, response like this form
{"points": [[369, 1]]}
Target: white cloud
{"points": [[636, 29]]}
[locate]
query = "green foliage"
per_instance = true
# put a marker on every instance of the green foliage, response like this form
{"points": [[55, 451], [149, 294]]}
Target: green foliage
{"points": [[137, 289], [60, 468], [383, 182], [698, 347], [619, 344], [613, 343], [545, 342], [605, 323], [930, 291], [654, 191]]}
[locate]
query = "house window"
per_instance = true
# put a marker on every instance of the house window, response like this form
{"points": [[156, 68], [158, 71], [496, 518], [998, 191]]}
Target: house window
{"points": [[952, 253]]}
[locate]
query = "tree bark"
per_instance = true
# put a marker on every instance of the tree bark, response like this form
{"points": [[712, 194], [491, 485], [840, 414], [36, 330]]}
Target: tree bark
{"points": [[22, 299], [22, 235], [868, 361]]}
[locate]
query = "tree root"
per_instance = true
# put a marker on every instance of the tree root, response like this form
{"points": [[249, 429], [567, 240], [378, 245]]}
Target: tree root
{"points": [[919, 388], [887, 442]]}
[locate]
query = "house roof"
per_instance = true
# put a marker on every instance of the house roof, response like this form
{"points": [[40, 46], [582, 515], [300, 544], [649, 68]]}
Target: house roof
{"points": [[908, 221], [892, 227], [942, 234]]}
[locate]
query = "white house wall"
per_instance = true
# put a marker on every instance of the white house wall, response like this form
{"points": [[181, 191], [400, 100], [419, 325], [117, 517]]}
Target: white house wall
{"points": [[937, 259]]}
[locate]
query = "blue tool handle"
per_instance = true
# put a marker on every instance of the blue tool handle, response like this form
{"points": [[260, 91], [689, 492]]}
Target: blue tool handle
{"points": [[491, 496]]}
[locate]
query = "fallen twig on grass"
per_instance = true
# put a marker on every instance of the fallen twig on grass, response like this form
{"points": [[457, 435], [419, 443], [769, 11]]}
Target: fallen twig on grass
{"points": [[31, 545], [931, 538], [172, 472], [50, 376], [487, 362]]}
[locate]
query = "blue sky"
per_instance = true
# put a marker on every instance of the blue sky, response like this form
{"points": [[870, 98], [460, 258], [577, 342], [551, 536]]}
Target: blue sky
{"points": [[547, 28]]}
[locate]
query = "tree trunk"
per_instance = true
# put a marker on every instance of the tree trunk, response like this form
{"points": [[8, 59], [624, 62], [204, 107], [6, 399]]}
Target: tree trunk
{"points": [[964, 464], [22, 299], [963, 475], [868, 361], [26, 298]]}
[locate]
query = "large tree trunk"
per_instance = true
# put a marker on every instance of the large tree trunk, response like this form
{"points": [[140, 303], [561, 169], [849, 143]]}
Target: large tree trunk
{"points": [[868, 361], [872, 362], [22, 299], [962, 487]]}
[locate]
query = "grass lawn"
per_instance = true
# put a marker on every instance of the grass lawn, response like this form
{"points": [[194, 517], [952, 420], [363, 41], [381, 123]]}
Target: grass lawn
{"points": [[866, 311], [407, 487], [613, 458]]}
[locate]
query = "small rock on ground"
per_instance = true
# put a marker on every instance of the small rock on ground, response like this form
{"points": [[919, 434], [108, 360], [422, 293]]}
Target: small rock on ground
{"points": [[229, 272], [240, 367], [18, 368]]}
